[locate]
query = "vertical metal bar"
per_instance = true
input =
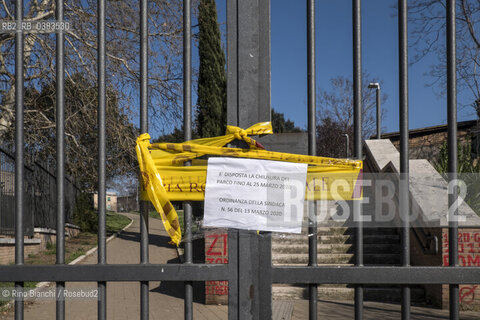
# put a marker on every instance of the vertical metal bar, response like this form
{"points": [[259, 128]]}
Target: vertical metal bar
{"points": [[232, 62], [452, 151], [404, 170], [248, 275], [357, 144], [253, 39], [248, 102], [60, 241], [311, 77], [102, 246], [19, 168], [144, 258], [312, 214], [232, 118], [379, 114], [233, 281], [187, 130], [265, 275]]}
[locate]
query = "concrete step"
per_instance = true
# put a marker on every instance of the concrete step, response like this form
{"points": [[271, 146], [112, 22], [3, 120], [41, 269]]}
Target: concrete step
{"points": [[331, 230], [336, 239], [323, 265], [324, 293], [339, 258], [346, 293], [345, 230], [386, 294], [280, 247], [302, 258]]}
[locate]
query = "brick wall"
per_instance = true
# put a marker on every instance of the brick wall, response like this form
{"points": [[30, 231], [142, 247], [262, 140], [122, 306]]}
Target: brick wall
{"points": [[7, 251], [428, 146], [468, 255], [31, 246], [216, 252]]}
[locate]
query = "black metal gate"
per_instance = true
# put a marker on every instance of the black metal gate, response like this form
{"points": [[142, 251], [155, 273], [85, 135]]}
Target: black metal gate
{"points": [[249, 254]]}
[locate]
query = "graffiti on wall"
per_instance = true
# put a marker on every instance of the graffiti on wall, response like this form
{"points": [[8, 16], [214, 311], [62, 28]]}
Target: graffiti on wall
{"points": [[468, 249], [216, 252], [467, 294]]}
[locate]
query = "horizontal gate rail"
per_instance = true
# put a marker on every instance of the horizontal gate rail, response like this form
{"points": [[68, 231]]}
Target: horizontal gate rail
{"points": [[377, 275], [116, 272], [223, 272]]}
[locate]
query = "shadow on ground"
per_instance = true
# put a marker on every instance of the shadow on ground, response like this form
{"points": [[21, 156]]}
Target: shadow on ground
{"points": [[153, 239], [389, 311], [177, 288]]}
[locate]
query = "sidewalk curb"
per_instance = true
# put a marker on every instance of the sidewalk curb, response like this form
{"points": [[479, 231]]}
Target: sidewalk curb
{"points": [[44, 284]]}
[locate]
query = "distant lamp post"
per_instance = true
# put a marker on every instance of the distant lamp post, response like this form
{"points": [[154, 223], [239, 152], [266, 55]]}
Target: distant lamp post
{"points": [[376, 85], [347, 146]]}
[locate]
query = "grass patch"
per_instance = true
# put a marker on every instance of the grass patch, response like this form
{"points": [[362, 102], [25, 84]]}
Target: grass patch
{"points": [[51, 248], [181, 220], [10, 284], [115, 222], [79, 252], [151, 214]]}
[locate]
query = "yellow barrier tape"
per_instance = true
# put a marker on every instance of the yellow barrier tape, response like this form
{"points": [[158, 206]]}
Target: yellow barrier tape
{"points": [[165, 178], [188, 183]]}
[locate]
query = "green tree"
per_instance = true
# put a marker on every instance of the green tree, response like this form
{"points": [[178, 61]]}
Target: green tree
{"points": [[465, 163], [176, 136], [81, 137], [211, 103], [280, 125], [122, 47], [331, 140], [468, 171]]}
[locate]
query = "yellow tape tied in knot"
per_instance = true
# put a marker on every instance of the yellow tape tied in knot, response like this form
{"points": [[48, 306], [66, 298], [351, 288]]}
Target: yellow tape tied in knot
{"points": [[165, 177]]}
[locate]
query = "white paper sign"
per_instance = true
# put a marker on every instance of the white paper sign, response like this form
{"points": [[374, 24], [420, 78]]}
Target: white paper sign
{"points": [[255, 194]]}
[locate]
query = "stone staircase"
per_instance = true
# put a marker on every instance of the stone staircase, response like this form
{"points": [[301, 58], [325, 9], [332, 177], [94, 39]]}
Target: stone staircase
{"points": [[336, 248]]}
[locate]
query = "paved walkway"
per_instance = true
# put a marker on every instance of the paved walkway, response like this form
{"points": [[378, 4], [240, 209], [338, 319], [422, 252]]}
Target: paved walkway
{"points": [[372, 311], [123, 298], [166, 299]]}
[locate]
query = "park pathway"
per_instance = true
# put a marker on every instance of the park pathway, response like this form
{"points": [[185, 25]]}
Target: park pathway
{"points": [[166, 299], [123, 298]]}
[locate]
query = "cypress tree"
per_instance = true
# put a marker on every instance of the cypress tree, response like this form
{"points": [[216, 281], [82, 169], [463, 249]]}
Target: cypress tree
{"points": [[211, 103]]}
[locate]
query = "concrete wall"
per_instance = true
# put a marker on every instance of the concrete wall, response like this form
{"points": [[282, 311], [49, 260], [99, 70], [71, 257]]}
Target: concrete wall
{"points": [[7, 249], [468, 256], [433, 292], [295, 142], [33, 245], [431, 205]]}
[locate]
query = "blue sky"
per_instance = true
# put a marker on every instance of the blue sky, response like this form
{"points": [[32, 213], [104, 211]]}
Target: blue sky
{"points": [[334, 58]]}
